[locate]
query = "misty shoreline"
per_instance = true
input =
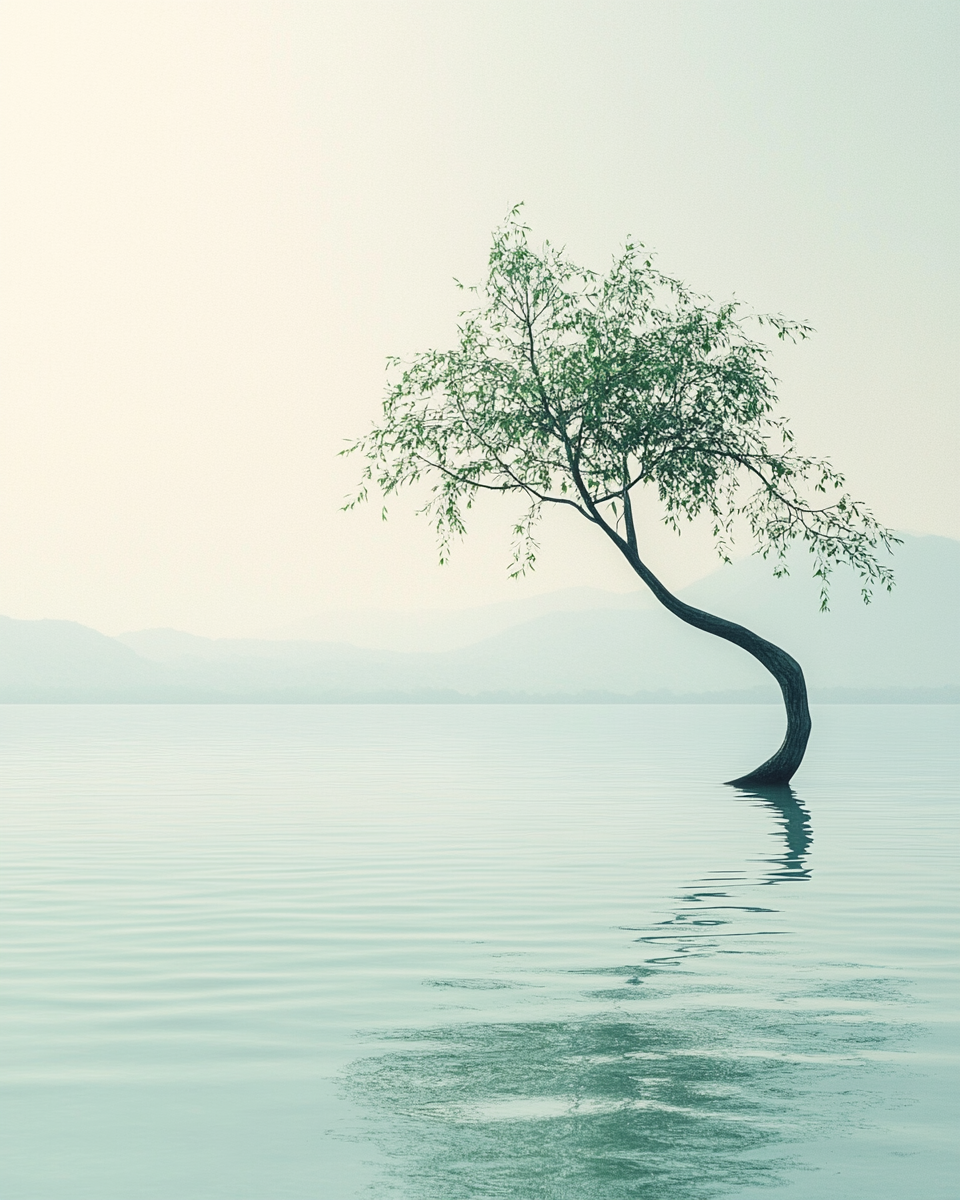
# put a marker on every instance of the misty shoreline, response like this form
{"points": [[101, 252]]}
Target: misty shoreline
{"points": [[585, 647], [913, 696]]}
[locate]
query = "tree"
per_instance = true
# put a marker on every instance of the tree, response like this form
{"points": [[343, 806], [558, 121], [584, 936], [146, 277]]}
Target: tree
{"points": [[598, 392]]}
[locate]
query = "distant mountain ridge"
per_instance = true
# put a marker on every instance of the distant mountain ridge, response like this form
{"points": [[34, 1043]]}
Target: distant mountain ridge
{"points": [[436, 630], [620, 649]]}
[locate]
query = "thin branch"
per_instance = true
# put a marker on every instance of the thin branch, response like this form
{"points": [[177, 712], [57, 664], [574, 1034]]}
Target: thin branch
{"points": [[519, 486], [628, 516]]}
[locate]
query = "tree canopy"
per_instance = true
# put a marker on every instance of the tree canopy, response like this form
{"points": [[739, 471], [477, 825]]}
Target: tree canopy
{"points": [[593, 391]]}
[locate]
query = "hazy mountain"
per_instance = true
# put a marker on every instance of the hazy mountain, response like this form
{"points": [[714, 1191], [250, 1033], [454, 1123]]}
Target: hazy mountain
{"points": [[439, 629], [64, 660], [616, 646]]}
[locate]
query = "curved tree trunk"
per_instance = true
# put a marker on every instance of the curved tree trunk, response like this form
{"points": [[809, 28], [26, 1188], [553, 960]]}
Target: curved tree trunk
{"points": [[778, 769]]}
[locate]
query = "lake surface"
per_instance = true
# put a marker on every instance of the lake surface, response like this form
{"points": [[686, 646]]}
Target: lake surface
{"points": [[537, 953]]}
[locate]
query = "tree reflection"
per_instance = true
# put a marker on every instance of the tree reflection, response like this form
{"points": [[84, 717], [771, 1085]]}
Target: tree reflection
{"points": [[713, 917], [673, 1082], [610, 1108], [793, 823]]}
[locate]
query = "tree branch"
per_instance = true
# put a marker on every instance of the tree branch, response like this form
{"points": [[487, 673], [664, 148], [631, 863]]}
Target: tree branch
{"points": [[519, 486]]}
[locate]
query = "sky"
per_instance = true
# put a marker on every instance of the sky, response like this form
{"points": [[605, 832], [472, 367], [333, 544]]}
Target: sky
{"points": [[219, 219]]}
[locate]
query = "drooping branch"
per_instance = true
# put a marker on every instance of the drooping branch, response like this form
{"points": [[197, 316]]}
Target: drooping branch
{"points": [[518, 486]]}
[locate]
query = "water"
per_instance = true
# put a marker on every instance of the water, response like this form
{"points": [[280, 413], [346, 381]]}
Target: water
{"points": [[253, 953]]}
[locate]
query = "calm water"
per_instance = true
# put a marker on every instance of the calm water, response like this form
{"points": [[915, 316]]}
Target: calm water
{"points": [[252, 953]]}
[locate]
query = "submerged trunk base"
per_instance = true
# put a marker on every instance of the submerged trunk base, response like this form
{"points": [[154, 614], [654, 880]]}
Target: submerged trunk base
{"points": [[778, 770], [765, 776]]}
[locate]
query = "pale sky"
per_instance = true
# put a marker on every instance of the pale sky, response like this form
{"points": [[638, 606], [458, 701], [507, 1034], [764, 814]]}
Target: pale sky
{"points": [[218, 219]]}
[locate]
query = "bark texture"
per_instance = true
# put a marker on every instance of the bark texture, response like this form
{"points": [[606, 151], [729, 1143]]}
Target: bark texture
{"points": [[780, 767]]}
